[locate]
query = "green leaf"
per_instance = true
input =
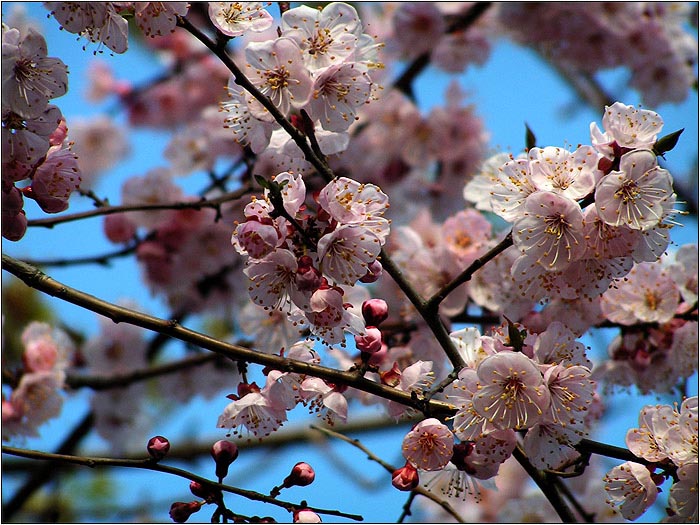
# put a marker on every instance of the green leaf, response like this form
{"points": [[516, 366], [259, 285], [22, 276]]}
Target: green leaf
{"points": [[667, 142], [262, 181], [530, 140]]}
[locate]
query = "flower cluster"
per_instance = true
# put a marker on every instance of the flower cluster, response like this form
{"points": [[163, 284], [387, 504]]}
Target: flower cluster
{"points": [[656, 346], [36, 399], [583, 218], [299, 261], [319, 64], [104, 22], [34, 146], [666, 437], [647, 37]]}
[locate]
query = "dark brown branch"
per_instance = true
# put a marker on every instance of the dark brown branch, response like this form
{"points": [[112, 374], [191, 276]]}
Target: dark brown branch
{"points": [[34, 278], [149, 464], [108, 210]]}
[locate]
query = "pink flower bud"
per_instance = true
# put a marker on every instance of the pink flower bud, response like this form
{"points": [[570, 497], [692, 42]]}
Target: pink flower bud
{"points": [[119, 228], [371, 342], [460, 453], [375, 311], [224, 453], [205, 492], [374, 272], [405, 478], [306, 516], [308, 279], [181, 511], [158, 447], [302, 475]]}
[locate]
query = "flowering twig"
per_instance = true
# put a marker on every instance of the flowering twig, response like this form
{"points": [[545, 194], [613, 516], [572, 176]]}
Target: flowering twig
{"points": [[215, 203], [467, 273], [149, 464], [389, 468], [34, 278]]}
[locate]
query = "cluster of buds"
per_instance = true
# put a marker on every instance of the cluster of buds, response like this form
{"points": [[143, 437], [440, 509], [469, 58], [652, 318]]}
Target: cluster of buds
{"points": [[299, 261], [374, 311]]}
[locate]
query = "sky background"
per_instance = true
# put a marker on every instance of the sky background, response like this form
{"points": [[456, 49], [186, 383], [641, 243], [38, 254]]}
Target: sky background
{"points": [[514, 86]]}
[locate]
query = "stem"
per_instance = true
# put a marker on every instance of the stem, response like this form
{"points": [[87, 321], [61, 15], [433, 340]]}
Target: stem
{"points": [[467, 273], [547, 488], [34, 278], [389, 468], [149, 464]]}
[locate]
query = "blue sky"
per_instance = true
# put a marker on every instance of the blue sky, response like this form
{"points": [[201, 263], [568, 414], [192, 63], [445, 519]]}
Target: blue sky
{"points": [[512, 88]]}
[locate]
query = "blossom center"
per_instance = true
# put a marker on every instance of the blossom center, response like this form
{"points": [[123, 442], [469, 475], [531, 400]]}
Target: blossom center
{"points": [[320, 42], [278, 78], [556, 225], [232, 12], [628, 192]]}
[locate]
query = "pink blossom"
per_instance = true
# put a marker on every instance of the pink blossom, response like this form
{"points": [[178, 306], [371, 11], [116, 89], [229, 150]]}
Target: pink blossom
{"points": [[254, 412], [550, 233], [417, 27], [35, 400], [30, 79], [327, 36], [638, 195], [339, 90], [513, 394], [277, 70], [345, 253], [97, 21], [405, 478], [245, 127], [647, 441], [512, 184], [272, 278], [350, 202], [305, 516], [417, 377], [557, 345], [45, 348], [156, 187], [54, 181], [119, 228], [371, 342], [572, 175], [14, 220], [329, 318], [255, 239], [628, 127], [629, 487], [26, 140], [324, 399], [429, 445], [571, 392], [682, 497], [647, 294], [99, 144], [158, 18], [466, 235], [548, 445], [235, 18], [375, 311], [293, 191]]}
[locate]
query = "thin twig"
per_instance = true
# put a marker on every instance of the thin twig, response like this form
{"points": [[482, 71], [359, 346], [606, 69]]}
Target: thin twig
{"points": [[389, 468], [149, 464]]}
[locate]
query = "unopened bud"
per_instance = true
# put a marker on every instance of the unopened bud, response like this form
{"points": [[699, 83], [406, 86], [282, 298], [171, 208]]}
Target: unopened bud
{"points": [[375, 311], [181, 511], [302, 475], [306, 516], [374, 272], [158, 447], [405, 478], [460, 453], [205, 492], [371, 342], [224, 453]]}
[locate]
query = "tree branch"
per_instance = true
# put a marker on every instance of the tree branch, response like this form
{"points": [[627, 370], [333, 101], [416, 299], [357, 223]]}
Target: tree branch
{"points": [[34, 278], [149, 464]]}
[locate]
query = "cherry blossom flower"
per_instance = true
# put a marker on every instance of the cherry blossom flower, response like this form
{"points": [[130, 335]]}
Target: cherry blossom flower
{"points": [[99, 144], [346, 252], [54, 180], [558, 345], [683, 496], [235, 18], [305, 516], [158, 18], [329, 402], [414, 378], [329, 318], [429, 445], [45, 348], [513, 394], [647, 294], [255, 239], [629, 487], [246, 128], [571, 392], [550, 233], [572, 175], [155, 187], [628, 127], [29, 78], [350, 202], [35, 400], [97, 21], [14, 220], [647, 441], [684, 271], [254, 412], [277, 70], [638, 195], [327, 36], [511, 186], [26, 140], [417, 26], [338, 91]]}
